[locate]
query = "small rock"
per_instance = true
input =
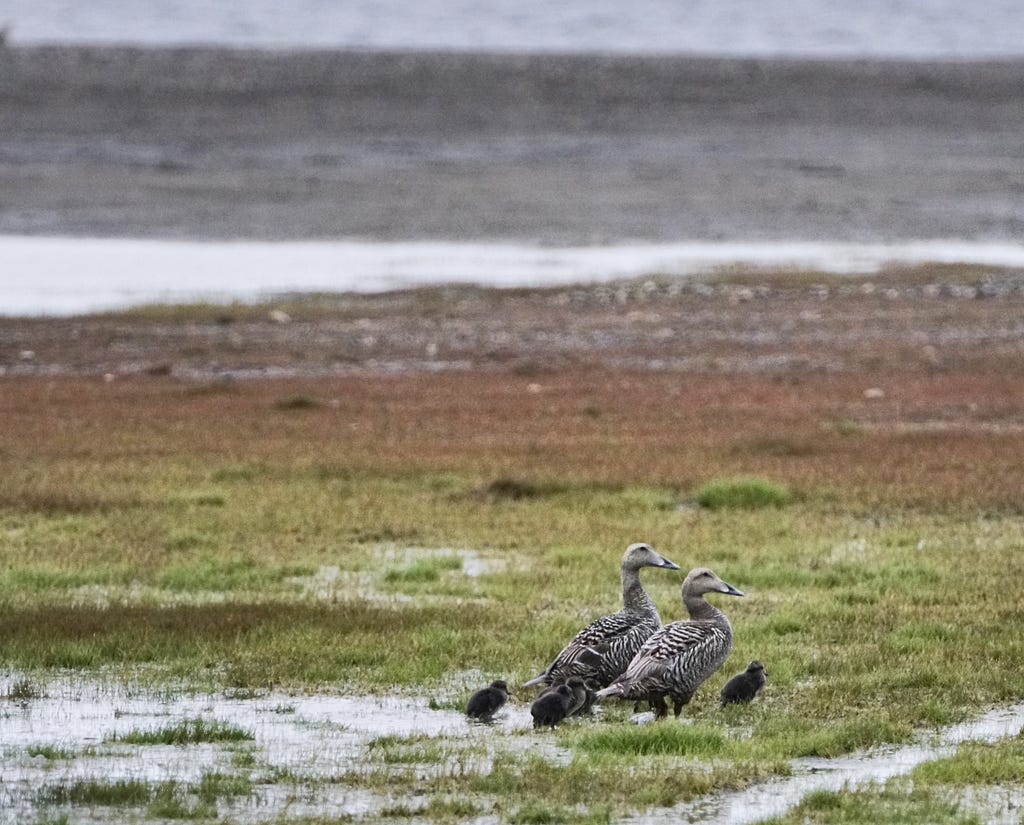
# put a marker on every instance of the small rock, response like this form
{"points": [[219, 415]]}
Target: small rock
{"points": [[279, 316], [874, 393]]}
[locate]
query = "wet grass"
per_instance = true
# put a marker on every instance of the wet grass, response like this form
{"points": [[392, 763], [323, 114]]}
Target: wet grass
{"points": [[167, 799], [584, 781], [23, 690], [436, 810], [977, 763], [49, 752], [188, 731], [537, 814], [210, 541], [892, 804], [418, 749], [423, 570], [698, 741]]}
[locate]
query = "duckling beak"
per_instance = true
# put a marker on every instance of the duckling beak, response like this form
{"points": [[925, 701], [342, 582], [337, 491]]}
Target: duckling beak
{"points": [[729, 590]]}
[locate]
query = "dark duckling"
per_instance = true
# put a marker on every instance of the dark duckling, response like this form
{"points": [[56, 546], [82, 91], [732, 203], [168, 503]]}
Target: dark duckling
{"points": [[743, 687], [591, 687], [487, 701], [677, 659], [552, 706]]}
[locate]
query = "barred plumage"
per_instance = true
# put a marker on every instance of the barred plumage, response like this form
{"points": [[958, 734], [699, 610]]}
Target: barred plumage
{"points": [[677, 659], [602, 649]]}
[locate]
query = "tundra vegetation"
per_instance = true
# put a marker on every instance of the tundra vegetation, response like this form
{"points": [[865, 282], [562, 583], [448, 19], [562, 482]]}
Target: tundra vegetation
{"points": [[425, 533]]}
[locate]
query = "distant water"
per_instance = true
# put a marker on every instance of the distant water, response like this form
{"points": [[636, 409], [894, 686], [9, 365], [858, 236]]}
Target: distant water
{"points": [[963, 29], [65, 276]]}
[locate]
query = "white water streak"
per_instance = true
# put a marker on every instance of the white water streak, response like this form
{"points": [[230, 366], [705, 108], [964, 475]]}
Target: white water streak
{"points": [[63, 276]]}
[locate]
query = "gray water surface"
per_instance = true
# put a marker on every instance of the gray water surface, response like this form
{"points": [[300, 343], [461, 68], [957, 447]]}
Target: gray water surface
{"points": [[927, 28]]}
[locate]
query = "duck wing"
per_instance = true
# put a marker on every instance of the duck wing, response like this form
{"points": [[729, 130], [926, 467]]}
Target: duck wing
{"points": [[678, 648], [598, 645]]}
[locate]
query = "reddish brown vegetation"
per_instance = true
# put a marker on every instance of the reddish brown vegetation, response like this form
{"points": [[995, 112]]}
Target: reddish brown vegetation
{"points": [[949, 439], [906, 389]]}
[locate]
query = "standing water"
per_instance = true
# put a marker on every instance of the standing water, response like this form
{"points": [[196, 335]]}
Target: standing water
{"points": [[821, 28], [304, 755]]}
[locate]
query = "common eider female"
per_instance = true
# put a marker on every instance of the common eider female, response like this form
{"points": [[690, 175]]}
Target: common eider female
{"points": [[602, 649], [487, 701], [743, 687], [675, 660]]}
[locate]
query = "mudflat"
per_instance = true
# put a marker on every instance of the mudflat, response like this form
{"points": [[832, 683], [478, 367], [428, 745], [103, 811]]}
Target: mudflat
{"points": [[935, 320], [213, 143]]}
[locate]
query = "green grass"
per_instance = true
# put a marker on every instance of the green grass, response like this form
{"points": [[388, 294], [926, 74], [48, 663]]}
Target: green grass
{"points": [[168, 799], [423, 570], [438, 809], [699, 741], [976, 763], [49, 752], [891, 804], [186, 732], [416, 749], [873, 621], [97, 792], [538, 814], [742, 494]]}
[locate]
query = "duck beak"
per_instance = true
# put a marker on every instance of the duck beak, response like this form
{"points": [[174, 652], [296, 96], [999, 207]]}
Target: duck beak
{"points": [[730, 590], [668, 565]]}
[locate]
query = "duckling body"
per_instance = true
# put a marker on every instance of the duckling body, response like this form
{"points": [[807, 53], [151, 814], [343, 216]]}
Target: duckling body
{"points": [[743, 687], [552, 706], [487, 701], [677, 659], [603, 648]]}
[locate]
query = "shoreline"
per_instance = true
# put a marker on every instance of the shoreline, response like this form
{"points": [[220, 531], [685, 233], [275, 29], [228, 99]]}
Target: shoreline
{"points": [[925, 320], [60, 277], [555, 149]]}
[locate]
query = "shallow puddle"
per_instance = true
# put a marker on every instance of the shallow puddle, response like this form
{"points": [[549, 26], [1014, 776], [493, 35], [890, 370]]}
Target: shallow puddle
{"points": [[776, 796], [299, 743], [302, 744]]}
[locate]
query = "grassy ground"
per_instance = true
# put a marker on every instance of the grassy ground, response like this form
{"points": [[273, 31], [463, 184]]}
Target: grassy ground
{"points": [[421, 532]]}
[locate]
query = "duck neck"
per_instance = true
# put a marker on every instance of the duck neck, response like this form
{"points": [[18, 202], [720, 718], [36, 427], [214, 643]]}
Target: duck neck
{"points": [[700, 609], [634, 597]]}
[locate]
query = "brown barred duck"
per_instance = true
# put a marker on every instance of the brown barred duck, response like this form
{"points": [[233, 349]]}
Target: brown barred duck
{"points": [[743, 687], [603, 648], [487, 701], [677, 659]]}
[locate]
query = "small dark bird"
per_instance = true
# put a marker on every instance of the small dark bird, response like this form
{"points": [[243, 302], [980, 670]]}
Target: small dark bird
{"points": [[487, 701], [552, 706], [591, 687], [746, 685], [584, 694]]}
